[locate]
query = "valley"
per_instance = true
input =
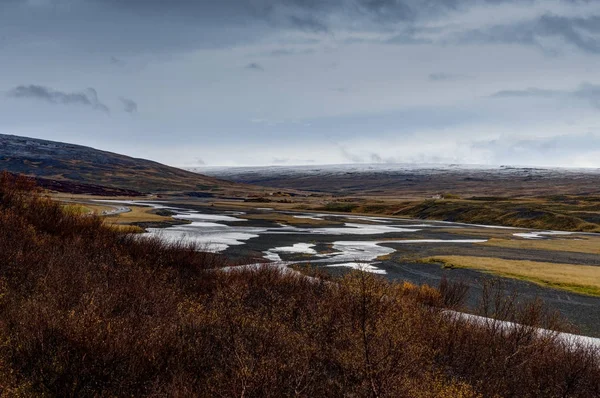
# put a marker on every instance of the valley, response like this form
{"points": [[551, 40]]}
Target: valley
{"points": [[398, 249], [557, 199]]}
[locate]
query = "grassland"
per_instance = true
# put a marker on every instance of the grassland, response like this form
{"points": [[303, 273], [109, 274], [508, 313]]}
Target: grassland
{"points": [[589, 245], [539, 213], [525, 213], [77, 208], [580, 214], [575, 278], [137, 214], [520, 197]]}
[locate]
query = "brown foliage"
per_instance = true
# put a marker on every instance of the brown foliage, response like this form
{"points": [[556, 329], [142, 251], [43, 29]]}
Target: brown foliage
{"points": [[87, 311]]}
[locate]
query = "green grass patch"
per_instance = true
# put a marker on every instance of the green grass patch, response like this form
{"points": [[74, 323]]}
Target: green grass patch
{"points": [[342, 207]]}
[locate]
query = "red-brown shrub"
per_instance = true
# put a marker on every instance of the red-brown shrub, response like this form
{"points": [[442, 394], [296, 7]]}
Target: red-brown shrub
{"points": [[86, 311]]}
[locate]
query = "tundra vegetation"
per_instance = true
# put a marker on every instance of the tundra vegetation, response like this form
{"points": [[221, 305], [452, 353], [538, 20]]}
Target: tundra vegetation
{"points": [[583, 279], [86, 310], [577, 213]]}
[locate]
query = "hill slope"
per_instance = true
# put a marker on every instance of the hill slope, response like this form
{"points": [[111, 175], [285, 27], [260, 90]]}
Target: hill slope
{"points": [[80, 164], [141, 318], [420, 180]]}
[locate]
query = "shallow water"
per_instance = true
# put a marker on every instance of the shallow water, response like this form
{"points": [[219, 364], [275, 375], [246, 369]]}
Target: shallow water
{"points": [[542, 234], [386, 246], [220, 230]]}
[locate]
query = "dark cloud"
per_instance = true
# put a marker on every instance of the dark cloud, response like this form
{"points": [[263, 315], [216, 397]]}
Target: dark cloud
{"points": [[376, 158], [88, 97], [129, 106], [586, 91], [581, 33], [528, 92], [117, 61], [389, 10], [366, 157], [499, 34], [259, 8], [369, 157], [132, 26], [407, 38], [309, 23], [254, 66], [116, 28], [403, 34], [349, 156]]}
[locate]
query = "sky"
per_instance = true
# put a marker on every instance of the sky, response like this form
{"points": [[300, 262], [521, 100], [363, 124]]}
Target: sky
{"points": [[267, 82]]}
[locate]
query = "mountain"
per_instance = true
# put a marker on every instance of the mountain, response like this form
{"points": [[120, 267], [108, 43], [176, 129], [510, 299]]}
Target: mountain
{"points": [[58, 163], [391, 180]]}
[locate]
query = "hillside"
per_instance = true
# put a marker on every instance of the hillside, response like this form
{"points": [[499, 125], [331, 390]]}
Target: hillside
{"points": [[141, 318], [543, 198], [418, 180], [57, 161]]}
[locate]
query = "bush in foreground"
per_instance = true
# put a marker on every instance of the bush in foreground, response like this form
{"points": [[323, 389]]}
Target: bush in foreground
{"points": [[88, 311]]}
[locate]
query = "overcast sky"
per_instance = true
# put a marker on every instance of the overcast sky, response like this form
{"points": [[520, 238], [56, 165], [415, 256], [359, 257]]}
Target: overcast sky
{"points": [[260, 82]]}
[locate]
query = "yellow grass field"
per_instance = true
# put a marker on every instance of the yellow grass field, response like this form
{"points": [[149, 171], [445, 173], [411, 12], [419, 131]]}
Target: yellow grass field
{"points": [[589, 245], [137, 214], [575, 278], [85, 208]]}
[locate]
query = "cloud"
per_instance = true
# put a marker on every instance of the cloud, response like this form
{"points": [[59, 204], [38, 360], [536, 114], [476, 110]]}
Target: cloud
{"points": [[254, 66], [528, 92], [407, 38], [376, 158], [349, 156], [134, 26], [117, 61], [88, 97], [309, 23], [581, 33], [129, 106], [355, 85], [571, 150], [389, 10], [585, 91], [590, 92], [366, 157], [559, 143], [441, 77], [283, 52]]}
